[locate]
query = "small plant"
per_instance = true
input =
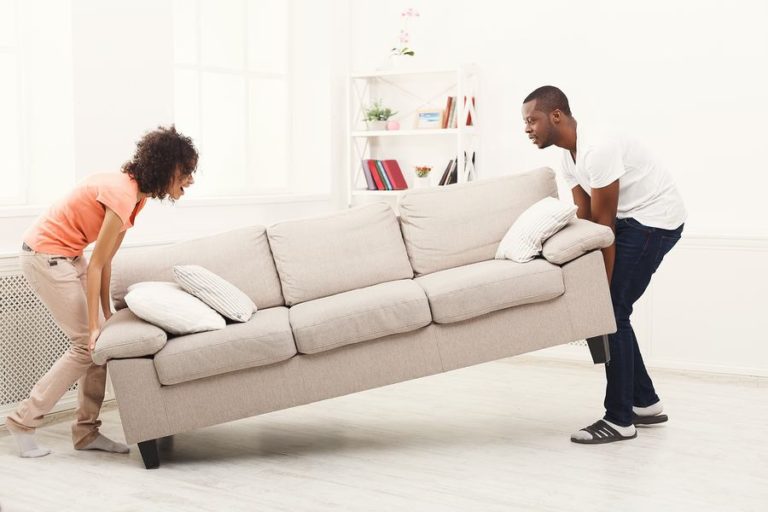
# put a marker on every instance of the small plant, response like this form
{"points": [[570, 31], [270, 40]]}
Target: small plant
{"points": [[422, 171], [376, 112]]}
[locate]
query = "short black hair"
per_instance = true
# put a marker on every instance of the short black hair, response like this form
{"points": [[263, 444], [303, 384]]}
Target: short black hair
{"points": [[157, 156], [549, 98]]}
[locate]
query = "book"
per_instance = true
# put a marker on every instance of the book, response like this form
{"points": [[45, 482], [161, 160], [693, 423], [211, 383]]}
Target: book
{"points": [[452, 113], [375, 175], [469, 110], [395, 175], [446, 111], [368, 177], [383, 174], [444, 177], [453, 175]]}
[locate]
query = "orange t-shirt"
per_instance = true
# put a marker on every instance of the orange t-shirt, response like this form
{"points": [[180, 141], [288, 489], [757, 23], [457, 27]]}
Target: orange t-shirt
{"points": [[74, 222]]}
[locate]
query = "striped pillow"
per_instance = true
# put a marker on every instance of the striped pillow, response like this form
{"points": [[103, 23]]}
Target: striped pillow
{"points": [[218, 293], [543, 219]]}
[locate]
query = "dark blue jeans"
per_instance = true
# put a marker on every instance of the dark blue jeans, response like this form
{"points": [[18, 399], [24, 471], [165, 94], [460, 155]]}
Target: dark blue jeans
{"points": [[639, 251]]}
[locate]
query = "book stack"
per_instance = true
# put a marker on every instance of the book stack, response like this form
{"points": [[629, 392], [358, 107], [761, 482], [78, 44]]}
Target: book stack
{"points": [[383, 175], [449, 119]]}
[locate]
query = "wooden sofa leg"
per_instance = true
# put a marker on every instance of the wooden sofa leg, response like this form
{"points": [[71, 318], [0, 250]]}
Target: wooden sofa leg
{"points": [[150, 454], [599, 348]]}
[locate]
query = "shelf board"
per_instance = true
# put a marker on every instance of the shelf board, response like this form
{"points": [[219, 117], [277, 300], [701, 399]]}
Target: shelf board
{"points": [[366, 192], [405, 71], [407, 133]]}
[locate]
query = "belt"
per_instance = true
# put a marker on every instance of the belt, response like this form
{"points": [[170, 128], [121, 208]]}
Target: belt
{"points": [[25, 247]]}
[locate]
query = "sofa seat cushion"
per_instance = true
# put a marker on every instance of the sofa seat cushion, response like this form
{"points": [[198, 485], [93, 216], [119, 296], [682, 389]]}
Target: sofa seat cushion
{"points": [[472, 290], [359, 315], [265, 339]]}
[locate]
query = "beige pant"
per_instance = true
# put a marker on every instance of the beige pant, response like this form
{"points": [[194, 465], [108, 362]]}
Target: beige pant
{"points": [[60, 284]]}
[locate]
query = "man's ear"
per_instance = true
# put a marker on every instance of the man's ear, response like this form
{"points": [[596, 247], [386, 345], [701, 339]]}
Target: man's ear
{"points": [[556, 116]]}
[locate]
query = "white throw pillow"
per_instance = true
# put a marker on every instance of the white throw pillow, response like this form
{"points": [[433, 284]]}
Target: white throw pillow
{"points": [[543, 219], [172, 309], [218, 293]]}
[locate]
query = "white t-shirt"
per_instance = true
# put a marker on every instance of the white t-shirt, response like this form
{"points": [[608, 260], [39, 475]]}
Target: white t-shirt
{"points": [[647, 191]]}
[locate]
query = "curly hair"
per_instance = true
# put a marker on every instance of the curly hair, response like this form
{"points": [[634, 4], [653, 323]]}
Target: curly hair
{"points": [[158, 154]]}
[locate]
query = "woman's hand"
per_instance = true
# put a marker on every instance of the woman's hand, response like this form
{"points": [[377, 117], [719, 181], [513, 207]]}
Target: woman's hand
{"points": [[92, 338]]}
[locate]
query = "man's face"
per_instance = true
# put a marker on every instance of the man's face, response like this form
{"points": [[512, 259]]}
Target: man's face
{"points": [[538, 125]]}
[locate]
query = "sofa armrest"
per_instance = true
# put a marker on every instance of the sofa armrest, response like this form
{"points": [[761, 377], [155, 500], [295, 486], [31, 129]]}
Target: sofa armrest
{"points": [[578, 237], [126, 335]]}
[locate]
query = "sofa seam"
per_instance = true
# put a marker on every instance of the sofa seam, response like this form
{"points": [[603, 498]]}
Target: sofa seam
{"points": [[453, 292], [390, 306], [250, 364], [346, 341], [508, 305], [223, 343]]}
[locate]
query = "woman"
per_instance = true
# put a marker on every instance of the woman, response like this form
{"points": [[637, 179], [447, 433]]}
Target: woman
{"points": [[74, 290]]}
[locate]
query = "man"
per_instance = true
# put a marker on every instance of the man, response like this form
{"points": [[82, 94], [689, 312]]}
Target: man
{"points": [[618, 183]]}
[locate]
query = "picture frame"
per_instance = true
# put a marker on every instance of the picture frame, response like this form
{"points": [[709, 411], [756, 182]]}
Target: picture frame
{"points": [[429, 118]]}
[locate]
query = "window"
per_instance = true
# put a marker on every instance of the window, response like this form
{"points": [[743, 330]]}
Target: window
{"points": [[11, 175], [231, 93], [36, 103]]}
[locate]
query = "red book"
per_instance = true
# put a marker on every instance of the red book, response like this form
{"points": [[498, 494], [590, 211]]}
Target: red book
{"points": [[469, 111], [375, 175], [395, 175], [383, 175]]}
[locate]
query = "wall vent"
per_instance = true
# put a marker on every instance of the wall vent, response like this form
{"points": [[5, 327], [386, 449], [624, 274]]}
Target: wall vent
{"points": [[30, 341]]}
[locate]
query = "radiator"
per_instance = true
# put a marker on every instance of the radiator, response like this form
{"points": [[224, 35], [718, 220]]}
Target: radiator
{"points": [[30, 341]]}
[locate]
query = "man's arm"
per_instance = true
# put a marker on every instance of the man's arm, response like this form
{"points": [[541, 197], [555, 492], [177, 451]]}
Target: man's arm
{"points": [[582, 201], [604, 204], [106, 277]]}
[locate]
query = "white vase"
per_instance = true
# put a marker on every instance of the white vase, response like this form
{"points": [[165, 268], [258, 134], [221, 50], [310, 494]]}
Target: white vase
{"points": [[376, 125], [400, 61], [423, 182]]}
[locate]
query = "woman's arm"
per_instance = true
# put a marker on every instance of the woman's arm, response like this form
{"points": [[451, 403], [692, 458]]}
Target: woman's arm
{"points": [[106, 278], [101, 257]]}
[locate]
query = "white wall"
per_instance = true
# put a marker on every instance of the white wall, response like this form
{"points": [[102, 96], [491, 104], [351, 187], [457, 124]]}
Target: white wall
{"points": [[687, 78]]}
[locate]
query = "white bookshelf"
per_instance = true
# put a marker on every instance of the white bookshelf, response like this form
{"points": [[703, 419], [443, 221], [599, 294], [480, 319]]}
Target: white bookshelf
{"points": [[407, 91]]}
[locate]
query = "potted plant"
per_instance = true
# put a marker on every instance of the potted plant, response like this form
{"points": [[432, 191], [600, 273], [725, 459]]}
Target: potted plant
{"points": [[376, 116], [422, 175], [402, 51]]}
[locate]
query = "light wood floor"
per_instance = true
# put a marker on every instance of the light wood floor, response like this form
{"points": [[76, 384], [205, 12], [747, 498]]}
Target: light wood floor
{"points": [[487, 438]]}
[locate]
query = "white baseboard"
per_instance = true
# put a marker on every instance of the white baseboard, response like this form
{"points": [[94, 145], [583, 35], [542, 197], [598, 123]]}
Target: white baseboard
{"points": [[581, 354]]}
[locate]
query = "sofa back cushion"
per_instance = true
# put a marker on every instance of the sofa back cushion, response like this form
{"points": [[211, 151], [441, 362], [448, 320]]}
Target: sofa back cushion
{"points": [[241, 256], [339, 252], [446, 227]]}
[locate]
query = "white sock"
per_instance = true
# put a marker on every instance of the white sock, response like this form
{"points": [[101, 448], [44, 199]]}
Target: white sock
{"points": [[28, 447], [106, 445], [583, 435], [651, 410]]}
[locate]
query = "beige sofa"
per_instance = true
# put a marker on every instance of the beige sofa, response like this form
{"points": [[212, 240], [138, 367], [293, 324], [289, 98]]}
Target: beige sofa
{"points": [[352, 301]]}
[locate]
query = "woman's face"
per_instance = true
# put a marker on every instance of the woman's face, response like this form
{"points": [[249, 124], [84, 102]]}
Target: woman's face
{"points": [[179, 183]]}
